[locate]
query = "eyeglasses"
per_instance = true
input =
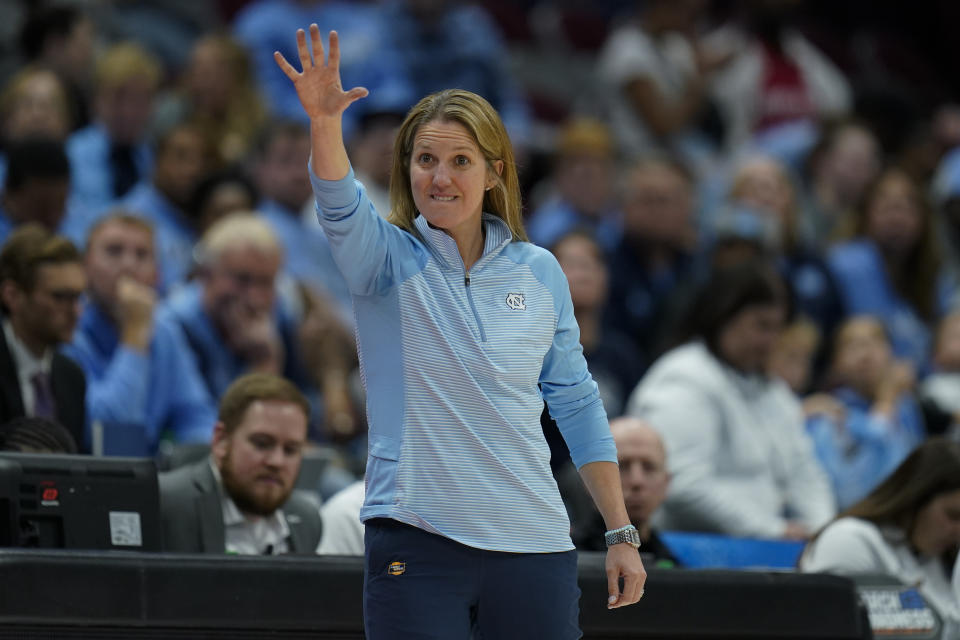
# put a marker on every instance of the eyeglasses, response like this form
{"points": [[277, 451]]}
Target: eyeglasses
{"points": [[64, 296]]}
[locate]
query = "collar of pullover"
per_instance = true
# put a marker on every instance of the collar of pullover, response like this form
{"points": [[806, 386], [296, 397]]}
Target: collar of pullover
{"points": [[445, 248]]}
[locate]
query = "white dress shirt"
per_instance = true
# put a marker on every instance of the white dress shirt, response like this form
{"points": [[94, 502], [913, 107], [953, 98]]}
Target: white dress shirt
{"points": [[247, 534], [28, 365]]}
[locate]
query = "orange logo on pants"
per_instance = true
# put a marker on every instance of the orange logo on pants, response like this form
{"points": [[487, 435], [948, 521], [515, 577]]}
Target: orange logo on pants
{"points": [[396, 568]]}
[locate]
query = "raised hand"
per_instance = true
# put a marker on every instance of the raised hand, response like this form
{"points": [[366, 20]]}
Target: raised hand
{"points": [[135, 304], [253, 335], [318, 85]]}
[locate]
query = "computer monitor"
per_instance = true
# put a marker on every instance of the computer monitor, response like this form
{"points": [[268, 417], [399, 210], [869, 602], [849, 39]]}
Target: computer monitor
{"points": [[78, 502]]}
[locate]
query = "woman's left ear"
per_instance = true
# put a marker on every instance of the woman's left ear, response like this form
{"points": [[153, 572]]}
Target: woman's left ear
{"points": [[491, 179]]}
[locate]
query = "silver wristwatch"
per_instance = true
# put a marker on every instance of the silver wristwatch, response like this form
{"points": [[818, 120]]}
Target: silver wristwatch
{"points": [[628, 534]]}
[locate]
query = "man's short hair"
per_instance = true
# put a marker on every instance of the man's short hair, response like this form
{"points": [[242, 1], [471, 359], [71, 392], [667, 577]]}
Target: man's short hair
{"points": [[29, 248], [585, 136], [254, 387], [237, 230], [277, 130], [120, 216], [209, 184], [35, 157], [163, 136], [124, 62], [32, 434], [45, 23]]}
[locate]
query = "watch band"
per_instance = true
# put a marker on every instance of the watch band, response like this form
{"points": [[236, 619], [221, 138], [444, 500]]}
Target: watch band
{"points": [[628, 534]]}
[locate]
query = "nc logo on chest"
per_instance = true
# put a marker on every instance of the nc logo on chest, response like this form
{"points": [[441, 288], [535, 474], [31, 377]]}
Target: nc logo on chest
{"points": [[515, 302]]}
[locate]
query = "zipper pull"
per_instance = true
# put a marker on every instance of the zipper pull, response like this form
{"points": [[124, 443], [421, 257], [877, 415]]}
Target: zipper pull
{"points": [[466, 278]]}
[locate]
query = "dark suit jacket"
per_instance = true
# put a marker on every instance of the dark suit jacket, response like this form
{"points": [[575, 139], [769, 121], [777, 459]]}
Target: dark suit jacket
{"points": [[69, 391], [191, 514]]}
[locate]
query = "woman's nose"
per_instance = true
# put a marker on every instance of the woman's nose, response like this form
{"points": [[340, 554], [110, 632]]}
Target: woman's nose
{"points": [[441, 176]]}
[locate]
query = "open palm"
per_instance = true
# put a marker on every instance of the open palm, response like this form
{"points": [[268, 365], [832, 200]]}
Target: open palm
{"points": [[318, 85]]}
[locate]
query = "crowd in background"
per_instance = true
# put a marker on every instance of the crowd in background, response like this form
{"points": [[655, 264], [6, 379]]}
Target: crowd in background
{"points": [[760, 224]]}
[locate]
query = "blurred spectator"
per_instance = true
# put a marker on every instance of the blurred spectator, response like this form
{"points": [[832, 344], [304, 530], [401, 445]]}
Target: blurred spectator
{"points": [[945, 125], [737, 235], [907, 527], [166, 28], [656, 251], [342, 529], [264, 26], [644, 479], [881, 420], [654, 78], [241, 500], [142, 383], [777, 78], [329, 354], [740, 461], [583, 187], [219, 194], [35, 435], [891, 266], [439, 44], [371, 153], [280, 170], [36, 185], [111, 155], [791, 358], [232, 316], [61, 38], [762, 183], [217, 93], [613, 360], [946, 193], [840, 167], [183, 157], [942, 387], [34, 103], [919, 153], [41, 282]]}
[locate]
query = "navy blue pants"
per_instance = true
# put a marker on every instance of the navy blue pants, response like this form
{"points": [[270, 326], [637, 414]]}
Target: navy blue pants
{"points": [[418, 585]]}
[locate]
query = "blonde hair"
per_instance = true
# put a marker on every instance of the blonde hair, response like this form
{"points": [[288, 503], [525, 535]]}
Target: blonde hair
{"points": [[584, 135], [121, 217], [124, 62], [803, 333], [486, 128], [791, 214], [243, 229], [234, 132], [15, 87]]}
